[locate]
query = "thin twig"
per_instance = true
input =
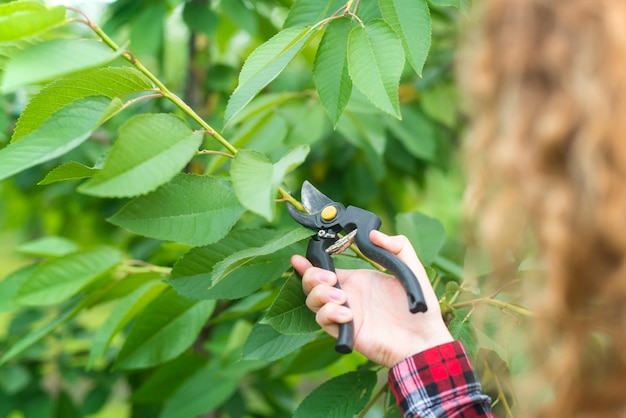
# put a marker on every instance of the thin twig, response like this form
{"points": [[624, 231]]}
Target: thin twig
{"points": [[214, 152], [162, 88], [373, 400], [498, 303]]}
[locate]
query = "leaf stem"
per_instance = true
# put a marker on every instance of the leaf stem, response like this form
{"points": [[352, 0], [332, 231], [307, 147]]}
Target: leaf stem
{"points": [[495, 302], [384, 388], [501, 395], [140, 266], [287, 197], [167, 93]]}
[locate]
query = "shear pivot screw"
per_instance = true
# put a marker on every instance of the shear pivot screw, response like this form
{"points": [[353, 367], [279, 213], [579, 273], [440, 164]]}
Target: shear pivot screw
{"points": [[329, 212]]}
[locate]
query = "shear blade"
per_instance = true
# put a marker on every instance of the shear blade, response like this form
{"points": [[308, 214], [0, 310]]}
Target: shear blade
{"points": [[312, 199]]}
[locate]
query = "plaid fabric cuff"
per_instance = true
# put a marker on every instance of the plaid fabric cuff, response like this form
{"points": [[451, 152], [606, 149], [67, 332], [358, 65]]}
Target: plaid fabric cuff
{"points": [[439, 382]]}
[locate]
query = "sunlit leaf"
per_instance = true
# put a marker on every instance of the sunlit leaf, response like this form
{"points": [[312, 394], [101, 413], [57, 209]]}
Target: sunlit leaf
{"points": [[196, 210], [108, 81], [23, 19], [71, 170], [376, 60], [342, 396], [256, 179], [48, 246], [410, 19], [52, 59], [330, 70], [63, 131], [149, 151], [57, 280], [309, 12], [163, 330], [446, 3], [264, 65]]}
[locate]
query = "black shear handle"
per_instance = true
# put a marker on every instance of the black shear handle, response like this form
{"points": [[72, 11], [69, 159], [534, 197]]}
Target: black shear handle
{"points": [[317, 255], [365, 222]]}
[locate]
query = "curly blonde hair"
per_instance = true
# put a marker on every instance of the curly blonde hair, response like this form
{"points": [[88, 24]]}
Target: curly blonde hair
{"points": [[546, 84]]}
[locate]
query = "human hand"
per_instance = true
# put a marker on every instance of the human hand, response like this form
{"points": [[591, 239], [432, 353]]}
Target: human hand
{"points": [[384, 329]]}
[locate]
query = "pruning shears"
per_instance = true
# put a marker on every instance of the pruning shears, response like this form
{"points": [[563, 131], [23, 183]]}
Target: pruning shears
{"points": [[329, 218]]}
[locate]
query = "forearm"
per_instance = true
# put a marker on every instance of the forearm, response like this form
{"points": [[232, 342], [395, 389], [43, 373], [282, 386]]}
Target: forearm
{"points": [[439, 382]]}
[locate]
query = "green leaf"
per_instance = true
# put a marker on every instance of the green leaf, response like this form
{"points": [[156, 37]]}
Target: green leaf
{"points": [[14, 378], [109, 81], [48, 246], [416, 132], [484, 341], [364, 131], [340, 397], [289, 314], [375, 62], [200, 18], [441, 102], [314, 356], [262, 104], [52, 59], [241, 14], [33, 337], [330, 70], [23, 19], [163, 330], [71, 170], [10, 285], [265, 343], [256, 179], [192, 275], [57, 280], [264, 65], [195, 210], [124, 311], [207, 389], [410, 19], [461, 329], [149, 151], [63, 131], [310, 12], [244, 257], [425, 233], [446, 3], [164, 382]]}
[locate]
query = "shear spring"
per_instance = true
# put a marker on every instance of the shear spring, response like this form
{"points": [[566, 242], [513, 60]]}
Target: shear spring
{"points": [[342, 243]]}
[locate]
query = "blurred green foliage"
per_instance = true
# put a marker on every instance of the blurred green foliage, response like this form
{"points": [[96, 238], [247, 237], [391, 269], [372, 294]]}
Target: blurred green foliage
{"points": [[93, 354]]}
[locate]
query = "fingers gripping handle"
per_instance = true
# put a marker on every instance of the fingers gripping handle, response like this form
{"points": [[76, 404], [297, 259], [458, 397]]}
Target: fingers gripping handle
{"points": [[365, 222], [317, 255]]}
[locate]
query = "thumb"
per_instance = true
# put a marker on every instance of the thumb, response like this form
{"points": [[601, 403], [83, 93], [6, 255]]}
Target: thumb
{"points": [[398, 245]]}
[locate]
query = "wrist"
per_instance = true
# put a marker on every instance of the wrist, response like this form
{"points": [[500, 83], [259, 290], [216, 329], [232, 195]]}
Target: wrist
{"points": [[417, 343]]}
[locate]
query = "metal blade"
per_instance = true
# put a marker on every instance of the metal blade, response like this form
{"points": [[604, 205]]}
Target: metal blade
{"points": [[312, 199]]}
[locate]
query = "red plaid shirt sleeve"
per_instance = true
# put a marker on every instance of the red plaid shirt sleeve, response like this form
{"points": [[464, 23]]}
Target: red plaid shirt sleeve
{"points": [[439, 382]]}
